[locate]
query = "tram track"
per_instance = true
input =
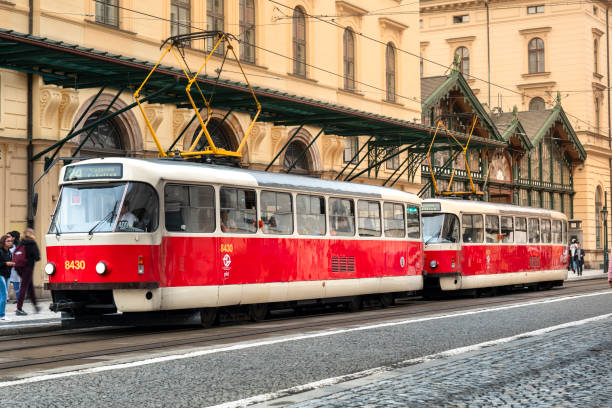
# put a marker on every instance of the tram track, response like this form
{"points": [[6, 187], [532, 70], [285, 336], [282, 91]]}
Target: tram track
{"points": [[52, 354]]}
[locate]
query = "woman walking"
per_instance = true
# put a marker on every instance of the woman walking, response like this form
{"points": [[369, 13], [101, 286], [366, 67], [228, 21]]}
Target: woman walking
{"points": [[6, 263], [32, 255]]}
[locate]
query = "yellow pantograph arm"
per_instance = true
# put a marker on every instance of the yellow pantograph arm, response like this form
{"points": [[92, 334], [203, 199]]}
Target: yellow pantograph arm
{"points": [[137, 97]]}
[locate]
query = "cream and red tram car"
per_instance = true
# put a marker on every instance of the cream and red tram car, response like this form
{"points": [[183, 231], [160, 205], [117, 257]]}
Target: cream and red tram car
{"points": [[134, 235], [473, 245]]}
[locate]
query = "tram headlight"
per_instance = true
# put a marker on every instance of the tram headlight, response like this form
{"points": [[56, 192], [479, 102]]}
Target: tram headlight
{"points": [[101, 268], [50, 268], [433, 264]]}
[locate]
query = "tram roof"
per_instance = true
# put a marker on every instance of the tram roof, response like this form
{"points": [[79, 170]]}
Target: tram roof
{"points": [[470, 206], [73, 66], [153, 170]]}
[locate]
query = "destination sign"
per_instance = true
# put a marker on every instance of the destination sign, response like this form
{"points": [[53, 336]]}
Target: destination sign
{"points": [[93, 171], [431, 207]]}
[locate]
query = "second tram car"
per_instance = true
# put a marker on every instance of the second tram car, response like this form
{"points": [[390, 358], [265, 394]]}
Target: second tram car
{"points": [[473, 245], [135, 235]]}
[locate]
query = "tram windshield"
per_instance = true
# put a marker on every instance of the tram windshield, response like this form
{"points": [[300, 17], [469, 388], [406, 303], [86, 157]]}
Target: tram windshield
{"points": [[440, 228], [114, 207]]}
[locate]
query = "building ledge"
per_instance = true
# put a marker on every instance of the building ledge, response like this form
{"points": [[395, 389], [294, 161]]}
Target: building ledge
{"points": [[536, 75]]}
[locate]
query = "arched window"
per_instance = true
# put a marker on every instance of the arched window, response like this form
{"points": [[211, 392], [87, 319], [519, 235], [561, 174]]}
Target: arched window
{"points": [[596, 56], [348, 42], [537, 104], [536, 56], [105, 136], [218, 134], [247, 30], [390, 72], [463, 55], [294, 152], [299, 42], [598, 217]]}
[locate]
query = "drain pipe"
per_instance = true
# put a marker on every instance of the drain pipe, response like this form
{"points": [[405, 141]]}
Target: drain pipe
{"points": [[29, 130], [608, 75]]}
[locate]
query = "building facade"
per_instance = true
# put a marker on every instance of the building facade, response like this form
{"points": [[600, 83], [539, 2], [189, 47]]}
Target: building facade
{"points": [[523, 54], [283, 46]]}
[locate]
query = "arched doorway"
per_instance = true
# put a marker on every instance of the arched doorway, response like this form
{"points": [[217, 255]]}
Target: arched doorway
{"points": [[293, 154], [219, 134], [118, 136]]}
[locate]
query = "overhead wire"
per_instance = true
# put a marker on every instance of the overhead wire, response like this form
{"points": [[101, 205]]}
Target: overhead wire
{"points": [[337, 25]]}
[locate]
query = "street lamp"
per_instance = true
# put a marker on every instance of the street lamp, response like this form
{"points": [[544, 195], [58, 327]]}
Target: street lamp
{"points": [[604, 215]]}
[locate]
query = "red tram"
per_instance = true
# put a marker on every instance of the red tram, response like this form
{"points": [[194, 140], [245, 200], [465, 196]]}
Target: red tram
{"points": [[134, 235], [473, 245]]}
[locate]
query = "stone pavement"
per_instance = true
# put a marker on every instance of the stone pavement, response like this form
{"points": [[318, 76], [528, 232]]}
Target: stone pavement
{"points": [[565, 368]]}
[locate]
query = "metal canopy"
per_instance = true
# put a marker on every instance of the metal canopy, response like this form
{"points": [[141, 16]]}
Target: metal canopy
{"points": [[73, 66]]}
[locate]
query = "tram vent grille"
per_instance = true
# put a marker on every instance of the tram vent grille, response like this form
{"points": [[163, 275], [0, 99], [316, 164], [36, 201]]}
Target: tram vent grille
{"points": [[343, 264]]}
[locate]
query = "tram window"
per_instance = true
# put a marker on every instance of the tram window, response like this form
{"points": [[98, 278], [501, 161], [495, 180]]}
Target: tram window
{"points": [[276, 213], [507, 229], [139, 210], [545, 231], [413, 222], [369, 218], [557, 238], [189, 208], [341, 216], [521, 230], [564, 239], [534, 230], [393, 215], [492, 228], [310, 215], [472, 228], [99, 208], [238, 210]]}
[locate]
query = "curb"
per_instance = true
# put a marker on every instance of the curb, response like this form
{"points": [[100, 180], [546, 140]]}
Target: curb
{"points": [[41, 326]]}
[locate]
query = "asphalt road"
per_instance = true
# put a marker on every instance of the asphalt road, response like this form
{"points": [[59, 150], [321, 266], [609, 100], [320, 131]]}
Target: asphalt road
{"points": [[222, 373]]}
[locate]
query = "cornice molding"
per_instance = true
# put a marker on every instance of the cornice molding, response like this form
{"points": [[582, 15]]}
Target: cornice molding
{"points": [[348, 8], [385, 22], [466, 39], [531, 31]]}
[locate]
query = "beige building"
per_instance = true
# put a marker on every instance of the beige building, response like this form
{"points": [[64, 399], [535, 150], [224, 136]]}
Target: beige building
{"points": [[350, 59], [523, 54]]}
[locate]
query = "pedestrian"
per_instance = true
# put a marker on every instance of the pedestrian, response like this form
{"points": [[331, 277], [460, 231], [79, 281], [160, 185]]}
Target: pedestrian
{"points": [[32, 255], [580, 260], [573, 254], [15, 279], [6, 263]]}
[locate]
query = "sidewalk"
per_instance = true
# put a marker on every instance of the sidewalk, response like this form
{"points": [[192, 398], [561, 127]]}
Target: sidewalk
{"points": [[43, 320], [587, 274]]}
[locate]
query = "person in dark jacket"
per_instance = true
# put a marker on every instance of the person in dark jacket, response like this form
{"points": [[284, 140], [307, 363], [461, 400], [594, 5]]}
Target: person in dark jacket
{"points": [[6, 263], [27, 272]]}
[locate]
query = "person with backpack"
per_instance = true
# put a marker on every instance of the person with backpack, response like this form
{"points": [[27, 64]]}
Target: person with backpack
{"points": [[25, 256], [15, 279], [6, 263]]}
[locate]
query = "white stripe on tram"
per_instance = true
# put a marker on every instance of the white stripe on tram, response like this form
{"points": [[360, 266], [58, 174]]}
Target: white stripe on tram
{"points": [[244, 346]]}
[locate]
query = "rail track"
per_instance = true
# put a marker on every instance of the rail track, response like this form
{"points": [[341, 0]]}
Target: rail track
{"points": [[21, 355]]}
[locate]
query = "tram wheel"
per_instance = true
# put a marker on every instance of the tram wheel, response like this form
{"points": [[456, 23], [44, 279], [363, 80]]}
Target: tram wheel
{"points": [[258, 312], [355, 304], [208, 316], [386, 300]]}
